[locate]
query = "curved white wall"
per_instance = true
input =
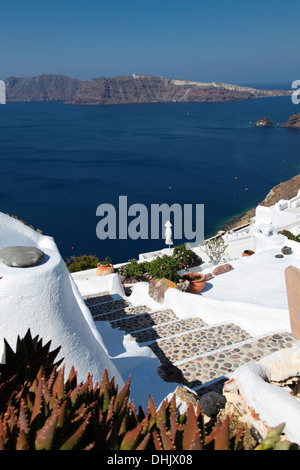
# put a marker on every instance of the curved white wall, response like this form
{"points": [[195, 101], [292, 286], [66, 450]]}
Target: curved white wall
{"points": [[45, 299]]}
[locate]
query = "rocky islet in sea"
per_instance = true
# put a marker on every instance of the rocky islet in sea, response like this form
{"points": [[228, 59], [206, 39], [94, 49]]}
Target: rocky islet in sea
{"points": [[264, 122], [292, 122]]}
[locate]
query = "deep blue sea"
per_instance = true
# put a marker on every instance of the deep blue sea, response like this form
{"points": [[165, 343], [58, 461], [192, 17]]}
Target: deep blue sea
{"points": [[59, 162]]}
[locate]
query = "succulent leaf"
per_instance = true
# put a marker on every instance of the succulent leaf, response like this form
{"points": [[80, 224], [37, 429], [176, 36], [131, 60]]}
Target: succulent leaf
{"points": [[22, 443], [143, 445], [131, 438], [37, 402], [191, 439], [45, 435], [156, 441], [161, 413], [220, 435], [23, 421], [124, 393], [73, 440], [58, 389], [167, 442]]}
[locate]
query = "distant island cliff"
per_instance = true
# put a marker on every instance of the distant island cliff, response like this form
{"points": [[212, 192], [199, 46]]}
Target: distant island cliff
{"points": [[127, 89]]}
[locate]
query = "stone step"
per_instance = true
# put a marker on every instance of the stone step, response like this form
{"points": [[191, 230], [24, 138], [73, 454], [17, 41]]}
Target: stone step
{"points": [[109, 306], [190, 352], [95, 299], [166, 330], [197, 342], [118, 312], [144, 320], [215, 365]]}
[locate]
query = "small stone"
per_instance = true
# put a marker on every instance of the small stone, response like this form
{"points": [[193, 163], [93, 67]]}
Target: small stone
{"points": [[185, 396], [211, 358], [279, 256], [208, 276], [211, 403], [227, 364], [286, 250], [225, 268], [21, 256]]}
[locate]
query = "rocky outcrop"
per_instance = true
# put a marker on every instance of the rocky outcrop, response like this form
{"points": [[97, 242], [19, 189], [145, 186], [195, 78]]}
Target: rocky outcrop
{"points": [[293, 121], [126, 89], [264, 122], [158, 288], [286, 190]]}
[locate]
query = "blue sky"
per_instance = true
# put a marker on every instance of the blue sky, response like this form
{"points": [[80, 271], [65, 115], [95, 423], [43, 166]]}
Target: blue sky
{"points": [[231, 41]]}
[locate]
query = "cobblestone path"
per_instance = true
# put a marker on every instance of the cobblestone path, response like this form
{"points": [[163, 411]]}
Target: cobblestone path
{"points": [[190, 351]]}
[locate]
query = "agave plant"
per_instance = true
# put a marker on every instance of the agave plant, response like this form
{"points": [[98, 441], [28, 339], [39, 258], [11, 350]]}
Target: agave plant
{"points": [[47, 412], [29, 356], [57, 414], [22, 366]]}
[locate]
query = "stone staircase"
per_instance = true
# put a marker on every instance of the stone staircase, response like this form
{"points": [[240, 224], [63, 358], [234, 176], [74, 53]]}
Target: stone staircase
{"points": [[190, 351]]}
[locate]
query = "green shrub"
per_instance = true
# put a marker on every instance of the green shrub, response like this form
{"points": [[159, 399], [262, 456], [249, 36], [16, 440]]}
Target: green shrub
{"points": [[132, 270], [163, 266], [81, 263], [290, 236], [186, 257], [215, 248]]}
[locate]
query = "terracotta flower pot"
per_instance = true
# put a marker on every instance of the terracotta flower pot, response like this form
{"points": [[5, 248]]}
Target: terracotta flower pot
{"points": [[104, 269], [196, 285], [248, 253]]}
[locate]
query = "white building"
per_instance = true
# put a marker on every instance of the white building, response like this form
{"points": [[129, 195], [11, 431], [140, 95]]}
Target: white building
{"points": [[263, 231]]}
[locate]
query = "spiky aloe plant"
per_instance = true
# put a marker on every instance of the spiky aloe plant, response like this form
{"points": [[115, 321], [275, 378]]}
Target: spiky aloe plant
{"points": [[57, 414], [49, 413], [29, 356], [22, 366]]}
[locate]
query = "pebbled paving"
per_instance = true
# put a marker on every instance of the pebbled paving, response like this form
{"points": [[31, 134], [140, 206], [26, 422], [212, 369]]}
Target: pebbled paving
{"points": [[197, 342], [190, 351], [137, 323], [94, 299], [207, 367], [109, 306], [166, 330], [114, 309]]}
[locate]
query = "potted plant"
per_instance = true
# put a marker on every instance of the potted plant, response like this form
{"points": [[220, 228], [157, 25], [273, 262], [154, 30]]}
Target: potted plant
{"points": [[105, 267], [197, 282], [248, 253]]}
